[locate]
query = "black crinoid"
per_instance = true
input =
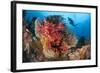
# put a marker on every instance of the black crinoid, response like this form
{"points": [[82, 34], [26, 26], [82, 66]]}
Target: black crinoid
{"points": [[55, 19]]}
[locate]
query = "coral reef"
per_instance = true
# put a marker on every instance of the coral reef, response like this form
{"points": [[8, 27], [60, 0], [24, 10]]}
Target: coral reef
{"points": [[50, 40]]}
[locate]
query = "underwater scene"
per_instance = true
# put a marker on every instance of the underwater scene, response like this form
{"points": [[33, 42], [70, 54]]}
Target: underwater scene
{"points": [[56, 36]]}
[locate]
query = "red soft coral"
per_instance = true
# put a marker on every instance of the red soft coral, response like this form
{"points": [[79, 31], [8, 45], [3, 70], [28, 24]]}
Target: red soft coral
{"points": [[54, 34]]}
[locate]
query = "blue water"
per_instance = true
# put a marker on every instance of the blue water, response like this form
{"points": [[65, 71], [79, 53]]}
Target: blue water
{"points": [[81, 20]]}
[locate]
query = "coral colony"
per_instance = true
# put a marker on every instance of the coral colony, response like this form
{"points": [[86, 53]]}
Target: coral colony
{"points": [[49, 39]]}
